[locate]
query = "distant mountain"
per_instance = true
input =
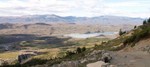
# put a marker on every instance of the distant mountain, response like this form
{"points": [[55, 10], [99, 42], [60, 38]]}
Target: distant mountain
{"points": [[70, 19]]}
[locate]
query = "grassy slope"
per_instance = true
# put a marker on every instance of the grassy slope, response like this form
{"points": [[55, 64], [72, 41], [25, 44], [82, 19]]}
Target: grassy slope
{"points": [[53, 53], [128, 39], [9, 55]]}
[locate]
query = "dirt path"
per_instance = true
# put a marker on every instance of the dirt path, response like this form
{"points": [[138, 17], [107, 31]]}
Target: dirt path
{"points": [[131, 59]]}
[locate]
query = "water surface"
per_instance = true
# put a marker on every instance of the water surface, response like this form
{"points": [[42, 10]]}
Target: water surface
{"points": [[78, 35]]}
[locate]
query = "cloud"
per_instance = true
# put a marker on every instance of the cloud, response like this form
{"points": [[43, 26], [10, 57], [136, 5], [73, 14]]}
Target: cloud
{"points": [[134, 8], [130, 8]]}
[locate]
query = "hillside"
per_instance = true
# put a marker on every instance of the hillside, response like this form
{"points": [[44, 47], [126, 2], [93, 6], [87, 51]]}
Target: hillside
{"points": [[131, 49], [47, 29], [133, 46], [110, 20]]}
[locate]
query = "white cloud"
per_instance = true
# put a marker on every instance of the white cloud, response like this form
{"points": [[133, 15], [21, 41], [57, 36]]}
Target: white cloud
{"points": [[129, 8], [89, 8]]}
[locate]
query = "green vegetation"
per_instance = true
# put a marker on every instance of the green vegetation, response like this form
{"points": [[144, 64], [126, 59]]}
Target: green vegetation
{"points": [[83, 49], [148, 20], [88, 43], [69, 55], [112, 45], [9, 55], [121, 32], [144, 22], [130, 38], [139, 33], [135, 27], [80, 48]]}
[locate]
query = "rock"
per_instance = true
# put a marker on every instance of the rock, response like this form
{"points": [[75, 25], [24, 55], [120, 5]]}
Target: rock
{"points": [[3, 63], [96, 52], [67, 64], [106, 57], [112, 66], [98, 64], [24, 57], [146, 48], [83, 61], [105, 65], [91, 58]]}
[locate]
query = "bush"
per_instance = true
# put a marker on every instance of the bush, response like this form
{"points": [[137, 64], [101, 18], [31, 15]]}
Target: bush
{"points": [[35, 61], [135, 27], [138, 35], [79, 50], [69, 53], [148, 20], [121, 32], [83, 49], [144, 22]]}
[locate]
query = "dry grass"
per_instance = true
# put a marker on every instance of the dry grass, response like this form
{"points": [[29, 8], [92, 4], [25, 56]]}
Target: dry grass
{"points": [[50, 53], [9, 55]]}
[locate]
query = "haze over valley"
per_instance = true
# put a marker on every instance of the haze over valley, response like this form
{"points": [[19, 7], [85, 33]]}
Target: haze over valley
{"points": [[56, 25]]}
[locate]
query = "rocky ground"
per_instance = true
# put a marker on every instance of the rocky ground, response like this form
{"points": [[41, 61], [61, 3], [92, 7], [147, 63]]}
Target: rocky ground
{"points": [[137, 56], [131, 59]]}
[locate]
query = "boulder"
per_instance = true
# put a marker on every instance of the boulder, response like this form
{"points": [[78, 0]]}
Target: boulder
{"points": [[146, 49], [67, 64], [105, 65], [112, 66], [23, 57], [106, 57], [83, 60], [98, 64]]}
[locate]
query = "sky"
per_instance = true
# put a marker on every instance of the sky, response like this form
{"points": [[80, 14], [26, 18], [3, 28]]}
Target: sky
{"points": [[79, 8]]}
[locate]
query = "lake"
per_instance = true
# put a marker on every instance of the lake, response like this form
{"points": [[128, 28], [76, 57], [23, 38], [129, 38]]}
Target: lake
{"points": [[78, 35]]}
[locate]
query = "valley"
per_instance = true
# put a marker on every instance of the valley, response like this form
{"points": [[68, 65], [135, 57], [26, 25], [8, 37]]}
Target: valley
{"points": [[52, 43], [74, 33]]}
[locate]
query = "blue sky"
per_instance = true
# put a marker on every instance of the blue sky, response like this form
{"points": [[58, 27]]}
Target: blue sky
{"points": [[89, 8]]}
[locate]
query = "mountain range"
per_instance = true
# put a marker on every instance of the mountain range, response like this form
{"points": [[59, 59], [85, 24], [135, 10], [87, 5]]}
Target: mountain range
{"points": [[70, 19]]}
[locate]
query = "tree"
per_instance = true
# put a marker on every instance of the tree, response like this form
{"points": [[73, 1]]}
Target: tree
{"points": [[144, 22], [79, 50], [52, 31], [121, 32], [69, 53], [83, 49], [134, 27], [148, 20]]}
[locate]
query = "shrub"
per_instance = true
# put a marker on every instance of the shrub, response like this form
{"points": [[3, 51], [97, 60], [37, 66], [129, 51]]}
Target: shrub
{"points": [[138, 35], [79, 50], [148, 20], [121, 32], [135, 27], [83, 49], [144, 22], [35, 61], [69, 53]]}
